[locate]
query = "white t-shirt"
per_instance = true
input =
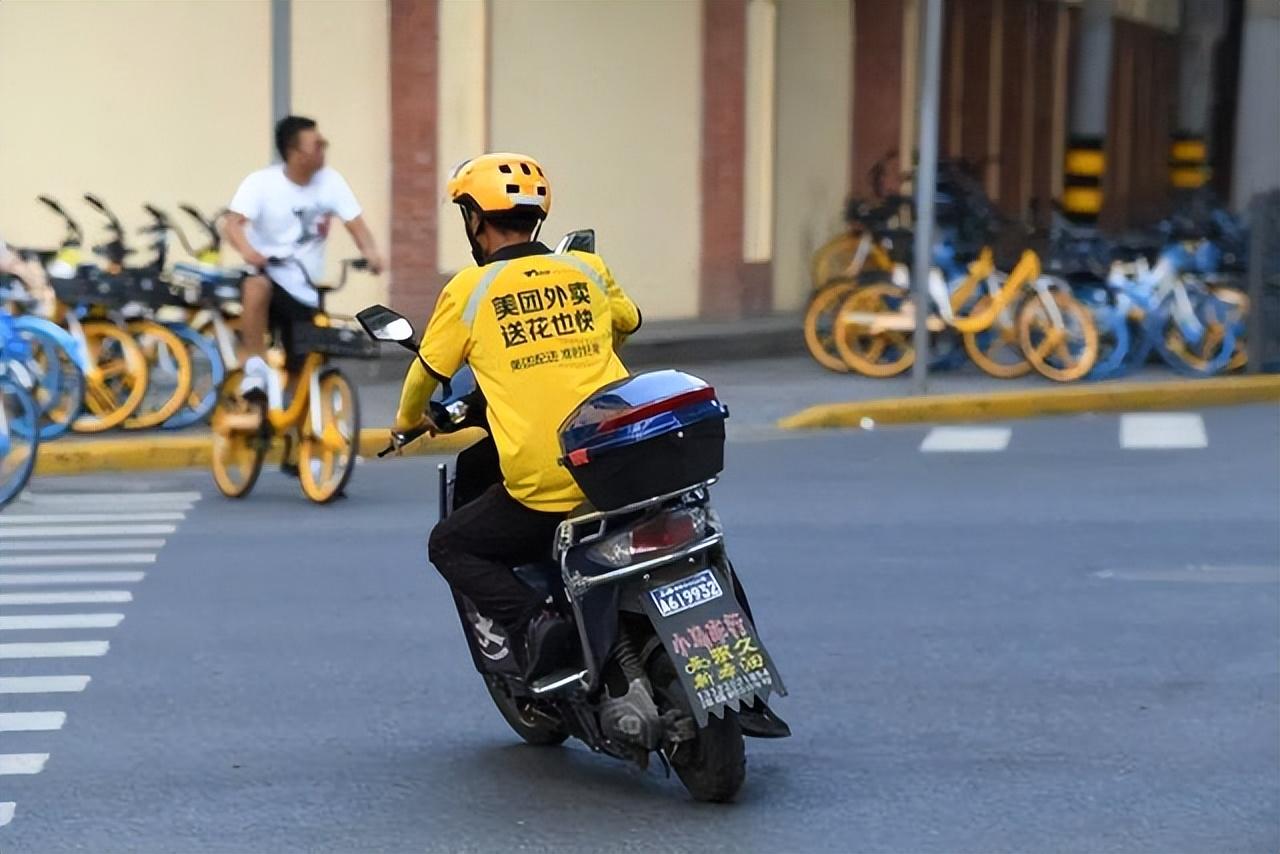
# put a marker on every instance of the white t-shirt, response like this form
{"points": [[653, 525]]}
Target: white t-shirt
{"points": [[291, 221]]}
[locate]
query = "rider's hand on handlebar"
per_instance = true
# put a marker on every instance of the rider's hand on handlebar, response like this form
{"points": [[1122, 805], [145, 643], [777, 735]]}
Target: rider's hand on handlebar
{"points": [[256, 260], [376, 264]]}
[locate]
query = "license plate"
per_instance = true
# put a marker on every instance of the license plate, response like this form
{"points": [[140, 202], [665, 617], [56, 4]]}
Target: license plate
{"points": [[686, 593]]}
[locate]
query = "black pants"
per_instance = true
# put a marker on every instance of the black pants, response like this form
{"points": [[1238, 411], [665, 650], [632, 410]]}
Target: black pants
{"points": [[283, 313], [476, 547]]}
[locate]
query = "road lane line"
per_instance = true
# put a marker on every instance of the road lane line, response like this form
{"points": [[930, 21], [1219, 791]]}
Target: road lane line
{"points": [[59, 649], [6, 812], [22, 763], [966, 440], [21, 531], [1162, 431], [68, 518], [43, 684], [79, 545], [111, 498], [27, 622], [78, 559], [25, 579], [32, 721], [66, 597]]}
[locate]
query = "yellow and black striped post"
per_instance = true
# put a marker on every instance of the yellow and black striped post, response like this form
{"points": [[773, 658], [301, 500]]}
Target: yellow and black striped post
{"points": [[1188, 162], [1082, 180]]}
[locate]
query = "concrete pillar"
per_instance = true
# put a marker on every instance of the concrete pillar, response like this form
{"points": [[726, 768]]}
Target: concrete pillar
{"points": [[1085, 163], [1257, 166], [1202, 26]]}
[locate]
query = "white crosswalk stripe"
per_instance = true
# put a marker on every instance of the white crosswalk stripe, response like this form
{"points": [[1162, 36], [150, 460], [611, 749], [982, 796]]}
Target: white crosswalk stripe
{"points": [[67, 597], [55, 649], [65, 545], [43, 684], [31, 579], [22, 763], [66, 518], [98, 538], [32, 721], [78, 559], [27, 622]]}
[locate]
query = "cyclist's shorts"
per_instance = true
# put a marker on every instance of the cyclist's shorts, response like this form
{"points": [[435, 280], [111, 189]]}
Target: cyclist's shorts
{"points": [[283, 313]]}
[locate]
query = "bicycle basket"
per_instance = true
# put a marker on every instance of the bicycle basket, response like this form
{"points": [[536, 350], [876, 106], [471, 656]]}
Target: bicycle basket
{"points": [[341, 339]]}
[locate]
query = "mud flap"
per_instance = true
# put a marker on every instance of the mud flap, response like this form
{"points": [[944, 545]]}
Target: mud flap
{"points": [[712, 642]]}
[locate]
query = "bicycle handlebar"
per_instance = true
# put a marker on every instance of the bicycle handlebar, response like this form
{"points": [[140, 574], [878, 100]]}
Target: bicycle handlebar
{"points": [[73, 227], [101, 207], [347, 265]]}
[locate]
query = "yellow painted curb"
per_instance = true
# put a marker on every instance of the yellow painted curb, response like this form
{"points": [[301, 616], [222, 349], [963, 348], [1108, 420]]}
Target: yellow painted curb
{"points": [[1033, 403], [153, 453]]}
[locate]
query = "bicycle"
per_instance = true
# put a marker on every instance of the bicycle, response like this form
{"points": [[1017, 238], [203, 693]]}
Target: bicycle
{"points": [[19, 430], [114, 366], [322, 419]]}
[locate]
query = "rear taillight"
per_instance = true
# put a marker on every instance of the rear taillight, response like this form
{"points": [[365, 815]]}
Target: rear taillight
{"points": [[662, 533]]}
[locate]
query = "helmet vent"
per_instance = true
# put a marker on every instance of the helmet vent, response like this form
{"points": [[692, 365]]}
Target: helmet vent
{"points": [[505, 169], [542, 191], [513, 188], [524, 167]]}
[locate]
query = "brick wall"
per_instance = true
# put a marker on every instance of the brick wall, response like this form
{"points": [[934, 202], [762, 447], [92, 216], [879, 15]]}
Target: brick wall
{"points": [[730, 288], [415, 199]]}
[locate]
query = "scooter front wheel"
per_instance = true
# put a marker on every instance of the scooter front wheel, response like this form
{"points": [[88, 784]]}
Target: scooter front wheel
{"points": [[533, 728]]}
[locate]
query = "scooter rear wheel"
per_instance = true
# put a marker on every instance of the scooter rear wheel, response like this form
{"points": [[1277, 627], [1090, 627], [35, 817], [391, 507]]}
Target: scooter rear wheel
{"points": [[713, 766]]}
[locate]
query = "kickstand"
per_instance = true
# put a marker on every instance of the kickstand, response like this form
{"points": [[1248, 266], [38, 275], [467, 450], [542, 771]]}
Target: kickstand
{"points": [[666, 765]]}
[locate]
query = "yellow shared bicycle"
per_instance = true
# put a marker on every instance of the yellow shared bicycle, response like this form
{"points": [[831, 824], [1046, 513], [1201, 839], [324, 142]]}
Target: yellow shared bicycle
{"points": [[321, 421]]}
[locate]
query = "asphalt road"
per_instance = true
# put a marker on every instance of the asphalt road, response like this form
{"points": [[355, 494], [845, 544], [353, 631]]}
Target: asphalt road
{"points": [[1065, 642]]}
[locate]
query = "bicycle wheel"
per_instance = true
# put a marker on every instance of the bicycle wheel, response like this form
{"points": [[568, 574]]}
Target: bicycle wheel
{"points": [[240, 439], [59, 386], [1113, 343], [117, 381], [833, 259], [170, 378], [1064, 354], [820, 321], [325, 461], [207, 374], [996, 350], [874, 354], [19, 439]]}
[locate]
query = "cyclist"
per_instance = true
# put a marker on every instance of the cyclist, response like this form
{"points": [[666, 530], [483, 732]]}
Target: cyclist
{"points": [[288, 208], [539, 330]]}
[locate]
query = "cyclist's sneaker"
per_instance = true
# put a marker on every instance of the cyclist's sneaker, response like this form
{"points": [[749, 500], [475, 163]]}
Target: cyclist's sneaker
{"points": [[260, 379]]}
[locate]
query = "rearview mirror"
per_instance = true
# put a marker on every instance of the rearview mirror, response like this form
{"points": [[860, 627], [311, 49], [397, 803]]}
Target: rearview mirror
{"points": [[383, 324], [582, 240]]}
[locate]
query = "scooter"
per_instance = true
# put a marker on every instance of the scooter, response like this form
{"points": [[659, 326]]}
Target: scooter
{"points": [[669, 660]]}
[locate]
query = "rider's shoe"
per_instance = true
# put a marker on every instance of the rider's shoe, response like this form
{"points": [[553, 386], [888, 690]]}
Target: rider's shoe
{"points": [[547, 643], [260, 379]]}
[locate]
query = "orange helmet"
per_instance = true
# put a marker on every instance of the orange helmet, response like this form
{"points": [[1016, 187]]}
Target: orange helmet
{"points": [[501, 184]]}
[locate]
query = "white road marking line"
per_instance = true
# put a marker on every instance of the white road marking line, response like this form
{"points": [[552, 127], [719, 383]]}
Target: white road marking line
{"points": [[66, 597], [966, 440], [21, 579], [1162, 430], [42, 684], [26, 622], [77, 560], [66, 518], [70, 597], [60, 649], [6, 812], [18, 531], [112, 498], [79, 545], [22, 763], [32, 721]]}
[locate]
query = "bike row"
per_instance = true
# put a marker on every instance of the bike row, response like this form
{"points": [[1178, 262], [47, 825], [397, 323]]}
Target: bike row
{"points": [[1068, 305], [98, 343]]}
